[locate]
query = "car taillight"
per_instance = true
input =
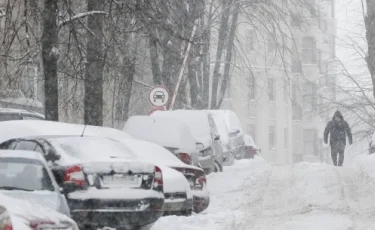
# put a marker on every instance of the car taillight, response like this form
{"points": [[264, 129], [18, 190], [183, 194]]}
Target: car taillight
{"points": [[74, 174], [40, 224], [158, 179], [7, 226], [184, 157], [253, 150]]}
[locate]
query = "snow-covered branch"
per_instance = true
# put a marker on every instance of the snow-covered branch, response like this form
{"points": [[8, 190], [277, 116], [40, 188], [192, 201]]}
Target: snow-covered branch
{"points": [[79, 16]]}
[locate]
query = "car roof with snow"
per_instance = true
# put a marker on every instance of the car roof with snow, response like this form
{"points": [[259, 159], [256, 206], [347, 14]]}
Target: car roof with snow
{"points": [[196, 120], [167, 132], [22, 154]]}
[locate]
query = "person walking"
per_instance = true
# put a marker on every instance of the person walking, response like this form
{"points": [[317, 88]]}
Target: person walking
{"points": [[338, 129]]}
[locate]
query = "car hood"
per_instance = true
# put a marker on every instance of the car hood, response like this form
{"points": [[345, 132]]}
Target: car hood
{"points": [[44, 198], [174, 181]]}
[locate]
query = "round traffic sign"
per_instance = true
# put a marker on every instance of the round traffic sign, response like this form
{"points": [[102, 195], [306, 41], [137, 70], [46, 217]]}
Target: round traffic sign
{"points": [[158, 96]]}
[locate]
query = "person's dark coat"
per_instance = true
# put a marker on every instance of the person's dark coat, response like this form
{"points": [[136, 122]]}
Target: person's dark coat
{"points": [[338, 130]]}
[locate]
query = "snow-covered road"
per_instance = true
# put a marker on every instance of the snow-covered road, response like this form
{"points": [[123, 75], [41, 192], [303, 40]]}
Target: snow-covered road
{"points": [[252, 194]]}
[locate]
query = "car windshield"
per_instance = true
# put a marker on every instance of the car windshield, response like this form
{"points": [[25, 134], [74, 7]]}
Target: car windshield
{"points": [[24, 174], [87, 149]]}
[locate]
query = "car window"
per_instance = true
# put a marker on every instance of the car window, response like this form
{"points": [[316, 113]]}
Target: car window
{"points": [[39, 149], [24, 174], [26, 145], [11, 144]]}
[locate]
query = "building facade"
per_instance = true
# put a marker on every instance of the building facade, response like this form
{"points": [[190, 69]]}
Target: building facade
{"points": [[280, 95]]}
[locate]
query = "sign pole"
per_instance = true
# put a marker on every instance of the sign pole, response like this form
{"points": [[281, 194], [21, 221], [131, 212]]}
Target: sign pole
{"points": [[183, 67]]}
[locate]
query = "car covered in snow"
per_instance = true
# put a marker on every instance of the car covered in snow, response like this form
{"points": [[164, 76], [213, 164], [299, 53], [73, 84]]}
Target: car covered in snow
{"points": [[250, 148], [236, 133], [170, 133], [8, 114], [195, 176], [228, 152], [205, 133], [25, 175], [20, 214], [104, 186]]}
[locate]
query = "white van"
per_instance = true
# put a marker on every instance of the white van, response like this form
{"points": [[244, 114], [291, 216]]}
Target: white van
{"points": [[170, 133]]}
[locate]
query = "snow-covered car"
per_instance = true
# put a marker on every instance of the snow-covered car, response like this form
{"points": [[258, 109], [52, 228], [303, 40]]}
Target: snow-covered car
{"points": [[250, 148], [235, 131], [160, 156], [371, 148], [170, 133], [228, 152], [8, 114], [104, 186], [25, 175], [17, 214], [205, 133]]}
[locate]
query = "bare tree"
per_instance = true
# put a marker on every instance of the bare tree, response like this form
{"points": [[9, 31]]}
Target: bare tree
{"points": [[370, 35]]}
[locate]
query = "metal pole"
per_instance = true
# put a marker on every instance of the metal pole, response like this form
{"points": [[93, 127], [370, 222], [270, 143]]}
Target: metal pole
{"points": [[183, 67]]}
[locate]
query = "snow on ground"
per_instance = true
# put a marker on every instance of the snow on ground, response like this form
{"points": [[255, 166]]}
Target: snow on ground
{"points": [[253, 194]]}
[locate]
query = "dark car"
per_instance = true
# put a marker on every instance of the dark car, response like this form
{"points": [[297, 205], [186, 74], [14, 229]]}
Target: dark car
{"points": [[102, 186]]}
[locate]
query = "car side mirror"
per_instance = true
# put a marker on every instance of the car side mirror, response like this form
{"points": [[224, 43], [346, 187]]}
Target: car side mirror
{"points": [[69, 187], [216, 137]]}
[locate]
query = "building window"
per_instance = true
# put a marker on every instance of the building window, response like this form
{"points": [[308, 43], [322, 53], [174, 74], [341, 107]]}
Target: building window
{"points": [[286, 139], [250, 39], [252, 88], [309, 97], [310, 142], [272, 138], [271, 89], [308, 50], [271, 43], [251, 131]]}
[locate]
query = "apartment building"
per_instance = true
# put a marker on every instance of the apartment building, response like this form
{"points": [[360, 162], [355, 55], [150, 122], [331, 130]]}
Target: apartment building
{"points": [[279, 91]]}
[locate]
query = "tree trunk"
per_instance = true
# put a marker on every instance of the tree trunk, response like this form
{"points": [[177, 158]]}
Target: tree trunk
{"points": [[370, 35], [93, 101], [220, 47], [155, 67], [229, 56], [50, 58]]}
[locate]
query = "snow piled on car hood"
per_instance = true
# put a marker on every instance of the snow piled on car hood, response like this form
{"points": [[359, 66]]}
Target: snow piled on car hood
{"points": [[167, 132], [248, 140], [22, 212], [28, 128], [197, 121]]}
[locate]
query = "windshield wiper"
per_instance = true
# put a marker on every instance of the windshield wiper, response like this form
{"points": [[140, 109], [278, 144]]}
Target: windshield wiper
{"points": [[14, 188]]}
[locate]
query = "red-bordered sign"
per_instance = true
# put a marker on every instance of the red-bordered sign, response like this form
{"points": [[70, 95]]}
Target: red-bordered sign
{"points": [[159, 96]]}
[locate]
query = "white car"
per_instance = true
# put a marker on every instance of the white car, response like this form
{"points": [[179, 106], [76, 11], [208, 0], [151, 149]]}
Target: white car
{"points": [[160, 156], [8, 114], [17, 214], [25, 175], [170, 133]]}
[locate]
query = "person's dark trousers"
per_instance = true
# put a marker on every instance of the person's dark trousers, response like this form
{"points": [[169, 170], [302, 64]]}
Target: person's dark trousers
{"points": [[337, 148]]}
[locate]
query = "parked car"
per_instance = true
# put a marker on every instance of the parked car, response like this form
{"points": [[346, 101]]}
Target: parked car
{"points": [[236, 133], [7, 114], [250, 149], [25, 175], [160, 156], [170, 133], [103, 185], [27, 128], [228, 152], [20, 214], [371, 148], [205, 133]]}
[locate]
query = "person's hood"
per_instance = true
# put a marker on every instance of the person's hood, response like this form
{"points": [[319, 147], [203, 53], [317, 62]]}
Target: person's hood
{"points": [[338, 114]]}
